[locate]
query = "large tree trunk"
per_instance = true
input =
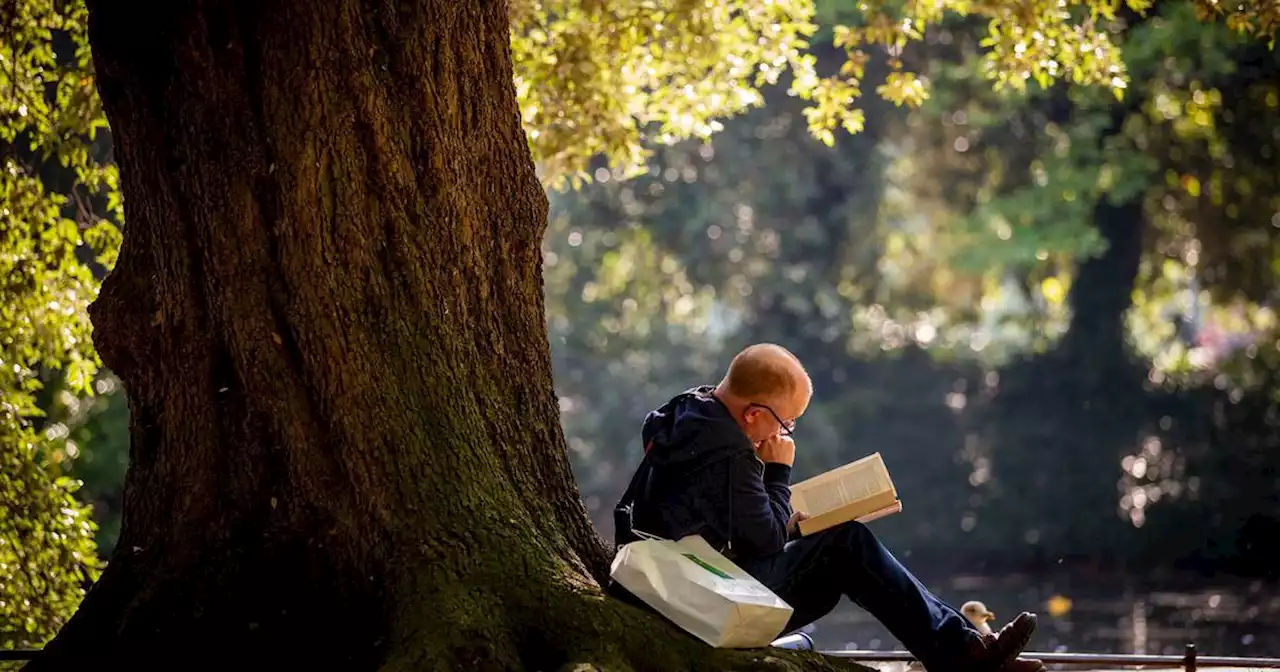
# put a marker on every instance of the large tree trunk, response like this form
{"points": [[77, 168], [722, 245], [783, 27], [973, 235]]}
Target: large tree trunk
{"points": [[327, 312]]}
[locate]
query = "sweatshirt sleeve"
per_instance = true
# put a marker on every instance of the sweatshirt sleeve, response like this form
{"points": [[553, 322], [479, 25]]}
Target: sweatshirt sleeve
{"points": [[760, 505]]}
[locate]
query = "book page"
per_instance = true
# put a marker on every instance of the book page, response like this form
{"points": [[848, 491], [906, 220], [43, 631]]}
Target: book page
{"points": [[856, 481]]}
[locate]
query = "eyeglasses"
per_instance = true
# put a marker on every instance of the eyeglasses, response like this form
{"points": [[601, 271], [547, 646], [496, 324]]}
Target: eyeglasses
{"points": [[787, 426]]}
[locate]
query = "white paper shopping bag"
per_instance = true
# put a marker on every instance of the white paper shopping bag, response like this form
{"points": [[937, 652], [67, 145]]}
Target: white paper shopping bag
{"points": [[701, 591]]}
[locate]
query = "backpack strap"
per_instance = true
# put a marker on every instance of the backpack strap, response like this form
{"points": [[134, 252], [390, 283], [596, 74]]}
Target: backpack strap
{"points": [[623, 530]]}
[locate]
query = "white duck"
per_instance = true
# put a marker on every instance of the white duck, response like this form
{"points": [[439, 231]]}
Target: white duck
{"points": [[979, 616]]}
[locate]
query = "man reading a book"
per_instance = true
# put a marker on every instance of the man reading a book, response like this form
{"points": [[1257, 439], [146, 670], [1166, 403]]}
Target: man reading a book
{"points": [[718, 464]]}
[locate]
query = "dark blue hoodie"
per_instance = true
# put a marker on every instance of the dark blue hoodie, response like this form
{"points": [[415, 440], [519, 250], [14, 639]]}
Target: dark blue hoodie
{"points": [[701, 475]]}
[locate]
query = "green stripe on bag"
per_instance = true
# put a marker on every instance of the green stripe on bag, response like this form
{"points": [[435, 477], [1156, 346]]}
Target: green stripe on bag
{"points": [[703, 564]]}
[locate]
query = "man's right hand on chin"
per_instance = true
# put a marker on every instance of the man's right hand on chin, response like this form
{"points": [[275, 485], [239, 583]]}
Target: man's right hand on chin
{"points": [[780, 449]]}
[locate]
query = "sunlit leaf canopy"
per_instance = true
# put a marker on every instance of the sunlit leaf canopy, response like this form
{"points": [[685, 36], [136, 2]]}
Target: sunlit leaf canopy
{"points": [[1021, 48], [1021, 170], [56, 197], [607, 78]]}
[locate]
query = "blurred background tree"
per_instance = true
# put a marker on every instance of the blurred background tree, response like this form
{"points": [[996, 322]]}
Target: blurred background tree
{"points": [[1036, 269]]}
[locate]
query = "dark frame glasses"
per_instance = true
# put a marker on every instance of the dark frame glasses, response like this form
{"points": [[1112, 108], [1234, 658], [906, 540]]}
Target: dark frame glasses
{"points": [[787, 427]]}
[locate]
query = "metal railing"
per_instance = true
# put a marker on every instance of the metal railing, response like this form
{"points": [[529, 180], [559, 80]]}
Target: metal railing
{"points": [[1189, 661]]}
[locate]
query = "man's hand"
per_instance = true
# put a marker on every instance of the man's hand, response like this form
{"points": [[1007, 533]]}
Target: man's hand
{"points": [[780, 449], [796, 517]]}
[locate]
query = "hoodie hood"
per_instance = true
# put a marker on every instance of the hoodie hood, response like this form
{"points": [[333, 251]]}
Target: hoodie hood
{"points": [[692, 426]]}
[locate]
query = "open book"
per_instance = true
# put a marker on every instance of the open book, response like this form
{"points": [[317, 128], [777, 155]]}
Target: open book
{"points": [[860, 490]]}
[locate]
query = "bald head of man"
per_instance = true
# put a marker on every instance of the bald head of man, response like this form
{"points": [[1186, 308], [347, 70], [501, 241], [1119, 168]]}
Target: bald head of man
{"points": [[766, 389]]}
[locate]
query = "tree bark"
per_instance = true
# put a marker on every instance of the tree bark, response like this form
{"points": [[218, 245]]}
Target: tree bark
{"points": [[328, 315]]}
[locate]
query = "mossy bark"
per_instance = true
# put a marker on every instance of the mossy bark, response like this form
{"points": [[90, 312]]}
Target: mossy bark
{"points": [[328, 315]]}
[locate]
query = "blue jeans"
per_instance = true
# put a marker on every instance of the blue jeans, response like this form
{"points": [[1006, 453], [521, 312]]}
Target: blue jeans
{"points": [[811, 573]]}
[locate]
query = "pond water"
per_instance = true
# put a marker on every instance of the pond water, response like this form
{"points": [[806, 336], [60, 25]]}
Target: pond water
{"points": [[1099, 614]]}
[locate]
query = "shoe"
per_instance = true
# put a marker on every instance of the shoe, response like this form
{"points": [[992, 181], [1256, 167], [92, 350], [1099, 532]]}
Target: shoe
{"points": [[992, 653]]}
